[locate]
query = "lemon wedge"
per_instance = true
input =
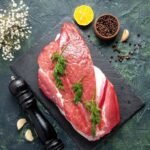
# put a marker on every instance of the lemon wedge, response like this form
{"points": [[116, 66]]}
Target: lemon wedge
{"points": [[83, 15]]}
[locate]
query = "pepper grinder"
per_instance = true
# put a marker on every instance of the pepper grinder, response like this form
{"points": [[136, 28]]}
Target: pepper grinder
{"points": [[19, 88]]}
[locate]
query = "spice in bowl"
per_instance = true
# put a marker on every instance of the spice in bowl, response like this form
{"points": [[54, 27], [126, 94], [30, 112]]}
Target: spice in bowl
{"points": [[106, 27]]}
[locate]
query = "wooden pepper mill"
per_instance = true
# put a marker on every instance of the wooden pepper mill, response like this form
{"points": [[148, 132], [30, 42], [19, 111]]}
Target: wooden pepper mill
{"points": [[19, 88]]}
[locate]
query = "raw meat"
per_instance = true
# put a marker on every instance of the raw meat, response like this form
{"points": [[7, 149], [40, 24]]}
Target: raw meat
{"points": [[79, 66]]}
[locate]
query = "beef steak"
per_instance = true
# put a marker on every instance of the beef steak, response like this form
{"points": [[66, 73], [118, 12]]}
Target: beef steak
{"points": [[79, 67]]}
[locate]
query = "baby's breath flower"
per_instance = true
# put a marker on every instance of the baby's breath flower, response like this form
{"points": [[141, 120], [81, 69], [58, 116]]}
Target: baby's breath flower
{"points": [[14, 28], [17, 47]]}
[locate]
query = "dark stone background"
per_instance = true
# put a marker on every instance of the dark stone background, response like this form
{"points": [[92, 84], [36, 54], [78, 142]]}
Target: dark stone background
{"points": [[44, 16]]}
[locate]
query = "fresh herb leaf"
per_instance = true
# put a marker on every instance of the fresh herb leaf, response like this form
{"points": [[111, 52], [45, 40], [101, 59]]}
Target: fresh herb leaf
{"points": [[59, 69], [55, 56], [94, 114], [78, 90]]}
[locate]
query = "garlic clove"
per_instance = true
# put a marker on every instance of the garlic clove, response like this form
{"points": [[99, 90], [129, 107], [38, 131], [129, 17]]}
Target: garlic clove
{"points": [[20, 123], [125, 35], [29, 136]]}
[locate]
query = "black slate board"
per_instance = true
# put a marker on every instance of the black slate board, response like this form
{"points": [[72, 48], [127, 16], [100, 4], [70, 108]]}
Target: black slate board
{"points": [[27, 67]]}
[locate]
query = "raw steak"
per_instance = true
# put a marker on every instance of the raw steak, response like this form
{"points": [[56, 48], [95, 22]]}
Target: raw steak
{"points": [[79, 66]]}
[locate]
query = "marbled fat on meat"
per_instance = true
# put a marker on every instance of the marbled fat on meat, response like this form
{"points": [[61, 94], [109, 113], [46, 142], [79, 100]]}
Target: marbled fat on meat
{"points": [[79, 65]]}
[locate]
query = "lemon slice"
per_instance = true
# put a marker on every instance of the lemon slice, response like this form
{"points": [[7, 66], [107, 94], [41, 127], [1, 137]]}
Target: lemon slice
{"points": [[83, 15]]}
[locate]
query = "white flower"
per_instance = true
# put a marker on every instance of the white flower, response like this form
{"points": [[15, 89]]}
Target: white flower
{"points": [[17, 47], [29, 31], [13, 29], [22, 34], [18, 15], [13, 3], [21, 2], [27, 37]]}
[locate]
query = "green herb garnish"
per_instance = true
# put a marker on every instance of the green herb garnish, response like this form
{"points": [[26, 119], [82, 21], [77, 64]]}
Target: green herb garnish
{"points": [[78, 90], [59, 69], [94, 114]]}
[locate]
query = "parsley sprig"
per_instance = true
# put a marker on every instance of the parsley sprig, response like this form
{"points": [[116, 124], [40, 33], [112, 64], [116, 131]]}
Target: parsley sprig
{"points": [[78, 90], [94, 114], [90, 105], [59, 69]]}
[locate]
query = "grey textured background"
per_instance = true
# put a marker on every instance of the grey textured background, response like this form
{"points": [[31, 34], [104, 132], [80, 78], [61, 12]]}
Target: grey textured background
{"points": [[44, 15]]}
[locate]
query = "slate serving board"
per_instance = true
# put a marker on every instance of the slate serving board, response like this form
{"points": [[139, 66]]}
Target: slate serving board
{"points": [[27, 68]]}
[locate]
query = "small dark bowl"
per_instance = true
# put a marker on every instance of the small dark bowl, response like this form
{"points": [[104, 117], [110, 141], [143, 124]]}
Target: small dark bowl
{"points": [[106, 37]]}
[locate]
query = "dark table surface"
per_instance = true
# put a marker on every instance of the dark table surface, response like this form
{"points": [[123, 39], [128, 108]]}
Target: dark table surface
{"points": [[44, 16]]}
